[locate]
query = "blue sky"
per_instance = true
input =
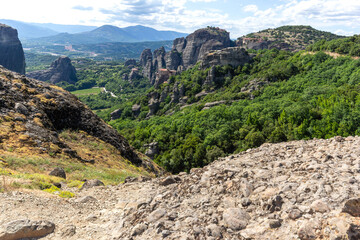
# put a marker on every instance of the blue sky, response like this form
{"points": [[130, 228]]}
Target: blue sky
{"points": [[239, 17]]}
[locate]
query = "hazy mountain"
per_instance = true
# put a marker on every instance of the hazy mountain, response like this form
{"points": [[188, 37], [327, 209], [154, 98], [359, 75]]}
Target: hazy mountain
{"points": [[27, 30], [61, 28], [143, 33], [109, 33]]}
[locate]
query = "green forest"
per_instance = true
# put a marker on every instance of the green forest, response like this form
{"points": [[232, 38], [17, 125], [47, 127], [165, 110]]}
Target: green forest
{"points": [[307, 96]]}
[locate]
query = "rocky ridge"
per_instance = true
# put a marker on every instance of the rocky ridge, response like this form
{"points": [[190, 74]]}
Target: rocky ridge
{"points": [[293, 190], [33, 113], [11, 52], [61, 70]]}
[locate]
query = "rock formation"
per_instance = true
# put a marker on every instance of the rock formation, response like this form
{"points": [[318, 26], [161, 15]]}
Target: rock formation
{"points": [[146, 61], [288, 191], [233, 56], [61, 70], [185, 53], [39, 111], [11, 52], [200, 43]]}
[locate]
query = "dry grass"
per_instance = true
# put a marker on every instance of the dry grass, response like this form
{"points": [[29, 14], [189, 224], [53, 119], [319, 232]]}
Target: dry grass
{"points": [[23, 168]]}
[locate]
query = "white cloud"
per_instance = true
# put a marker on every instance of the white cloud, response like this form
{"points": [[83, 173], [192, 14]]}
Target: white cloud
{"points": [[176, 15], [250, 8]]}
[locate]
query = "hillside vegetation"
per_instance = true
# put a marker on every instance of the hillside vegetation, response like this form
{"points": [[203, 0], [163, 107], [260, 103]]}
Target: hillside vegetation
{"points": [[297, 36], [349, 46], [305, 96]]}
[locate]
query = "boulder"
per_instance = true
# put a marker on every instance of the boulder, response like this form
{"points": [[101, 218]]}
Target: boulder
{"points": [[22, 229], [58, 172], [352, 207], [236, 218], [92, 183]]}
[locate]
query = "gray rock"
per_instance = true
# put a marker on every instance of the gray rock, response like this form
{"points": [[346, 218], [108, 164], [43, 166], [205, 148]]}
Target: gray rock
{"points": [[58, 172], [214, 231], [352, 207], [169, 180], [156, 215], [275, 223], [320, 206], [138, 229], [86, 199], [294, 214], [26, 229], [92, 183], [236, 218], [20, 108], [68, 231]]}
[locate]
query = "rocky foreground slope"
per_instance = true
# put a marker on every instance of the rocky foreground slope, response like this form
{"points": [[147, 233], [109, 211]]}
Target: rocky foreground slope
{"points": [[293, 190], [34, 113]]}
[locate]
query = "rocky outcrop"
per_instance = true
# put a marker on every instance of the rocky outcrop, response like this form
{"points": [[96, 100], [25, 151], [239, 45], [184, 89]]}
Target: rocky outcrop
{"points": [[185, 53], [233, 56], [146, 61], [136, 109], [201, 42], [173, 60], [41, 111], [134, 74], [11, 52], [153, 103], [159, 59], [259, 44], [116, 114], [130, 63], [61, 70], [286, 191]]}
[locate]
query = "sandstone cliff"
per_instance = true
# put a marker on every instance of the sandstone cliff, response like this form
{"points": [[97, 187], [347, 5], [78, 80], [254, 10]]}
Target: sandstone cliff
{"points": [[61, 70], [33, 113], [287, 191], [11, 52]]}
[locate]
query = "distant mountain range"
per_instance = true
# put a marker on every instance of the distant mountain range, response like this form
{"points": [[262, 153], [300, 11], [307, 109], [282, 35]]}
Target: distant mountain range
{"points": [[109, 33], [49, 33]]}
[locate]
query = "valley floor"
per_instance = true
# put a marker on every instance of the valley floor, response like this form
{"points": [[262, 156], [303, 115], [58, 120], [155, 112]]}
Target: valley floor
{"points": [[293, 190]]}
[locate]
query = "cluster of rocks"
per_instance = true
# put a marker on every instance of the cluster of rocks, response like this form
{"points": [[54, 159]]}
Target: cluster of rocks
{"points": [[11, 52], [37, 112], [61, 70], [295, 190], [185, 53]]}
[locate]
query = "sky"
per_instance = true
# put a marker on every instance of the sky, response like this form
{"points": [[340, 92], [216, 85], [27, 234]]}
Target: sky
{"points": [[239, 17]]}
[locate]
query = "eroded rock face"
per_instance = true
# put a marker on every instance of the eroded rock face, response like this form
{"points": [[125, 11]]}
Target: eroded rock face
{"points": [[61, 70], [186, 52], [201, 42], [233, 56], [44, 110], [11, 52]]}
